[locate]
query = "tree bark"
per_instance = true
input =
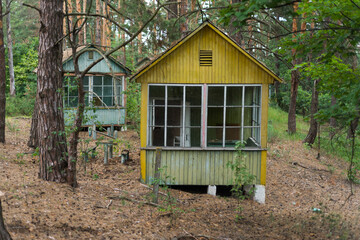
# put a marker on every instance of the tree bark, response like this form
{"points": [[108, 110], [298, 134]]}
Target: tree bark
{"points": [[2, 80], [332, 123], [84, 28], [4, 234], [10, 50], [33, 139], [311, 136], [81, 33], [183, 11], [98, 39], [295, 77], [51, 128]]}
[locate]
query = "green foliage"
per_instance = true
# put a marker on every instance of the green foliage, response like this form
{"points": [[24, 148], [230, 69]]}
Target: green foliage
{"points": [[22, 105], [25, 63], [133, 94], [242, 175]]}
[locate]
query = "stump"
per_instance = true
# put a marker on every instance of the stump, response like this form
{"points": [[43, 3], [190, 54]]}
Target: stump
{"points": [[4, 234]]}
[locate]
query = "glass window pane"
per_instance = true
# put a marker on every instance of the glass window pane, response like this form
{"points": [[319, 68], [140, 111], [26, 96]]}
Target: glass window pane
{"points": [[175, 95], [252, 136], [86, 80], [215, 116], [192, 116], [156, 116], [66, 101], [156, 92], [252, 96], [97, 81], [216, 96], [234, 96], [248, 116], [98, 91], [108, 91], [192, 137], [73, 101], [73, 91], [156, 136], [173, 138], [107, 101], [232, 135], [174, 116], [233, 116], [107, 80], [193, 96], [214, 137]]}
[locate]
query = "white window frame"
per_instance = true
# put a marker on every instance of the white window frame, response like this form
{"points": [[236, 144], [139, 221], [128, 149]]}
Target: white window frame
{"points": [[91, 96], [204, 114]]}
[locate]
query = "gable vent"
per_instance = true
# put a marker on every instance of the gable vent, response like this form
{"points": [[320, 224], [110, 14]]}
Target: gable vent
{"points": [[206, 58]]}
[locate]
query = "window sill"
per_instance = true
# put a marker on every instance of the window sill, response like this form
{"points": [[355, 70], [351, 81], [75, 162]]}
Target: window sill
{"points": [[202, 149]]}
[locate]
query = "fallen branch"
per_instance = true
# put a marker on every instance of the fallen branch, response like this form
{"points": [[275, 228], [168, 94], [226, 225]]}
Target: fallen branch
{"points": [[315, 169], [146, 186]]}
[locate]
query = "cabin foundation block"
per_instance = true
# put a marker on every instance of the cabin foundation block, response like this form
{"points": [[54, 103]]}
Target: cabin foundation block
{"points": [[212, 190], [259, 194]]}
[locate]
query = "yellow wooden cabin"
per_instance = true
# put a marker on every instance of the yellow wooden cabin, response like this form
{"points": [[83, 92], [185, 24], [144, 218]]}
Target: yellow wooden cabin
{"points": [[198, 99]]}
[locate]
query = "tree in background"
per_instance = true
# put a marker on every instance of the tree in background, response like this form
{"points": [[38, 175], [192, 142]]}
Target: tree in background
{"points": [[10, 49], [2, 80]]}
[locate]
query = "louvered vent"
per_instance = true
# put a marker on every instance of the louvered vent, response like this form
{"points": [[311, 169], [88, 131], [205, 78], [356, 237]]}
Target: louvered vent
{"points": [[206, 58]]}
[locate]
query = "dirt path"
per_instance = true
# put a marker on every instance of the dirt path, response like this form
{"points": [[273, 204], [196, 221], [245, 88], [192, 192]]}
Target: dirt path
{"points": [[109, 202]]}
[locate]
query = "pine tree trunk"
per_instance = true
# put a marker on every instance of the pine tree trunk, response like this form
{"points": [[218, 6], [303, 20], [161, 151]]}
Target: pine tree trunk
{"points": [[4, 234], [332, 123], [294, 83], [33, 139], [10, 51], [98, 39], [311, 136], [84, 28], [51, 128], [81, 33], [2, 80], [183, 11]]}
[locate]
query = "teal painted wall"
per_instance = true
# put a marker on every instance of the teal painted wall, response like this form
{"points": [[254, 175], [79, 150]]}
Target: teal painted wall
{"points": [[101, 67]]}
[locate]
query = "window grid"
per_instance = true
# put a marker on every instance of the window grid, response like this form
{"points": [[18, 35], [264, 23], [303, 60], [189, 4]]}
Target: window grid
{"points": [[255, 106], [95, 88]]}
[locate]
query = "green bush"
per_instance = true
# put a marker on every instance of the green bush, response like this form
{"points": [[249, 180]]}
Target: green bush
{"points": [[22, 105]]}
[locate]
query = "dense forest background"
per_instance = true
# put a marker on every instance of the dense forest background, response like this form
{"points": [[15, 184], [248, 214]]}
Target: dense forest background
{"points": [[311, 45]]}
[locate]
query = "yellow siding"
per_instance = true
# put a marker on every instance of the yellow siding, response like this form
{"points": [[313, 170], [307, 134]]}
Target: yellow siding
{"points": [[143, 120], [263, 168], [229, 64], [143, 165], [192, 167], [264, 114]]}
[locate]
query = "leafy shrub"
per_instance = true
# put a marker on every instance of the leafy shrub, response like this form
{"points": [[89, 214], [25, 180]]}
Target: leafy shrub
{"points": [[22, 105]]}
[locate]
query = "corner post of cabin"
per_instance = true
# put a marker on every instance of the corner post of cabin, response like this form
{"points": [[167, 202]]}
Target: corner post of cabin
{"points": [[143, 129]]}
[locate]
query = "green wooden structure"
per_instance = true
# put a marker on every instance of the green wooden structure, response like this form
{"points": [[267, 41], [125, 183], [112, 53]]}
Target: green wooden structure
{"points": [[104, 85]]}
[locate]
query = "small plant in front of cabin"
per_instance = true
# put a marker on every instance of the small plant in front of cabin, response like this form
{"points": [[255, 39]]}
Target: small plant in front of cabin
{"points": [[168, 201], [242, 178]]}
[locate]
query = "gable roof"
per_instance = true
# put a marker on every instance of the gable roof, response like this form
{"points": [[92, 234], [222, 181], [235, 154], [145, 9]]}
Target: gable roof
{"points": [[67, 56], [179, 43]]}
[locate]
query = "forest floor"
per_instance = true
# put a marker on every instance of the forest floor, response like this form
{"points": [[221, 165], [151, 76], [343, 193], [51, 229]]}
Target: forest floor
{"points": [[306, 198]]}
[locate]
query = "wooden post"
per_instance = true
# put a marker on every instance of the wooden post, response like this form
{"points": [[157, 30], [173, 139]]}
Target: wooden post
{"points": [[157, 175], [111, 149], [94, 132], [4, 234], [106, 154], [112, 130]]}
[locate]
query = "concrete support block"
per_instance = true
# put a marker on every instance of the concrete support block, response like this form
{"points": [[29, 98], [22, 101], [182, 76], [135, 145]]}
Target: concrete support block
{"points": [[259, 194], [212, 190]]}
